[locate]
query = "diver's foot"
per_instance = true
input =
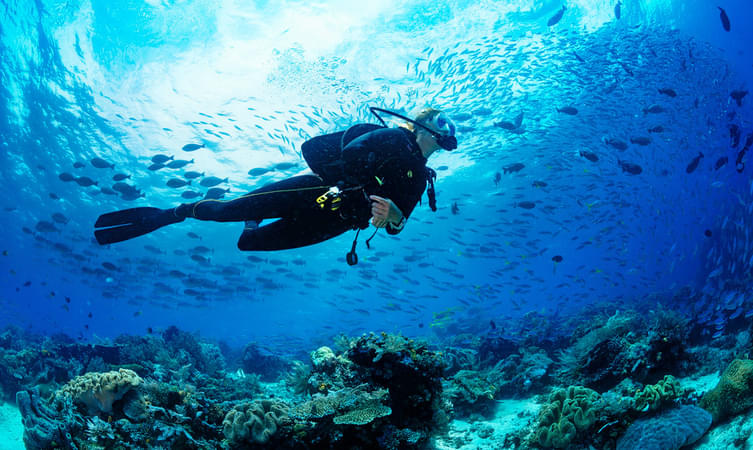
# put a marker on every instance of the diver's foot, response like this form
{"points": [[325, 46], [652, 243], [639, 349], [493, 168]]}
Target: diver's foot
{"points": [[251, 225]]}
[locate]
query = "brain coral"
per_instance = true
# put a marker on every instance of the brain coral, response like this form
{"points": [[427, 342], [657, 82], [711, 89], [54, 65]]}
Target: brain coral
{"points": [[99, 390], [733, 394], [669, 430]]}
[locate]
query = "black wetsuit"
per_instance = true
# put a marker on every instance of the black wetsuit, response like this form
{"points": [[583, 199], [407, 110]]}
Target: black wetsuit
{"points": [[386, 162]]}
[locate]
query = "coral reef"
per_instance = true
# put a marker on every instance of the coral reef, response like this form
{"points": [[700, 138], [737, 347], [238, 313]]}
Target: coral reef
{"points": [[385, 389], [256, 359], [653, 397], [568, 413], [45, 427], [254, 422], [98, 391], [669, 430], [733, 394], [610, 349]]}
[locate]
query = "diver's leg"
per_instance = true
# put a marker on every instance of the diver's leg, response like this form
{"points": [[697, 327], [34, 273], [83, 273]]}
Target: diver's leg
{"points": [[293, 232], [281, 199]]}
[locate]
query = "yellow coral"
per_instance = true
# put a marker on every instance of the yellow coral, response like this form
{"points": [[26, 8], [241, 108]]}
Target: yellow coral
{"points": [[653, 395], [568, 412], [99, 390]]}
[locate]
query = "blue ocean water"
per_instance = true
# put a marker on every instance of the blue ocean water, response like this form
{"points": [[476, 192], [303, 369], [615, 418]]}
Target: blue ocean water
{"points": [[251, 81]]}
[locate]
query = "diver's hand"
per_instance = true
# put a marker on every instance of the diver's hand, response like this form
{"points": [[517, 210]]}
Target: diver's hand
{"points": [[384, 211]]}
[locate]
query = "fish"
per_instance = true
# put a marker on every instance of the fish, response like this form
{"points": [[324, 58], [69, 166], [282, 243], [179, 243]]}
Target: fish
{"points": [[512, 168], [631, 168], [557, 258], [177, 182], [569, 110], [216, 193], [626, 68], [46, 227], [482, 112], [54, 196], [192, 147], [100, 163], [616, 143], [556, 18], [462, 117], [589, 155], [539, 184], [497, 178], [734, 135], [212, 181], [738, 96], [60, 218], [258, 171], [654, 109], [578, 57], [200, 259], [120, 177], [85, 181], [193, 235], [526, 205], [668, 92], [156, 166], [188, 195], [455, 209], [178, 163], [723, 17], [721, 162], [65, 176], [707, 233], [78, 165], [694, 163], [656, 129], [515, 124], [191, 175], [618, 10], [161, 159], [284, 166], [640, 140], [505, 125]]}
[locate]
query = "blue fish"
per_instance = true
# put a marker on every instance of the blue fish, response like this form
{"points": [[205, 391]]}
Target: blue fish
{"points": [[557, 17]]}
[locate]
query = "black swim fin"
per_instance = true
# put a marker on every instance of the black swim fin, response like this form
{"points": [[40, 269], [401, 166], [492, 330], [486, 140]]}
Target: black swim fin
{"points": [[127, 224]]}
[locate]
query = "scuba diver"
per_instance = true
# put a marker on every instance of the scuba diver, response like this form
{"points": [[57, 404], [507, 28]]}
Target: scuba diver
{"points": [[367, 173]]}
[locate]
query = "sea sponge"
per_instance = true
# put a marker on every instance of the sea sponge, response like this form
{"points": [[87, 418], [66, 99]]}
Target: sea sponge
{"points": [[734, 392], [652, 396], [254, 422], [568, 412], [323, 359], [99, 390]]}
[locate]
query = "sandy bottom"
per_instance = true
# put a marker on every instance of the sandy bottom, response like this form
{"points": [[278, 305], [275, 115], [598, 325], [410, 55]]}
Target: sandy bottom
{"points": [[11, 428], [510, 416]]}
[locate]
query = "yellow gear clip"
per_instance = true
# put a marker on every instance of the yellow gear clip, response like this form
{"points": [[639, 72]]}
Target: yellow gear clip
{"points": [[331, 198]]}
